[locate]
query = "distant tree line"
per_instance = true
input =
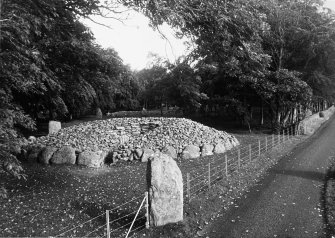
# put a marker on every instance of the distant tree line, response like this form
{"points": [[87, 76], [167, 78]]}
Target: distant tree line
{"points": [[277, 55]]}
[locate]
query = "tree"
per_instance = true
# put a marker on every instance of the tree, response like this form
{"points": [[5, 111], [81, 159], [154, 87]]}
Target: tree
{"points": [[51, 68]]}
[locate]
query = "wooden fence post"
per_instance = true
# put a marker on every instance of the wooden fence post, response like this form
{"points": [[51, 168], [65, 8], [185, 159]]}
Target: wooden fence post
{"points": [[266, 143], [259, 147], [273, 140], [250, 152], [226, 161], [108, 231], [278, 138], [188, 187], [239, 159], [147, 222], [209, 175]]}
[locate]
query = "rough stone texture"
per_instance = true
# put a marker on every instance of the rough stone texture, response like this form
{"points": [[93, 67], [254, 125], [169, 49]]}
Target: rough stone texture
{"points": [[99, 113], [92, 159], [64, 155], [138, 153], [310, 124], [122, 134], [219, 148], [147, 153], [32, 139], [165, 186], [207, 149], [54, 127], [46, 154], [170, 151], [191, 152]]}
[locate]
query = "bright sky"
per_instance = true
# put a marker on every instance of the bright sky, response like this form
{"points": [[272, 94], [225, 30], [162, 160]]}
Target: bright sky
{"points": [[134, 38]]}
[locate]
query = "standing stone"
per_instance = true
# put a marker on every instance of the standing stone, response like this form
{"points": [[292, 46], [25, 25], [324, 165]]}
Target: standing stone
{"points": [[191, 152], [54, 127], [99, 113], [219, 148], [46, 154], [65, 155], [165, 186], [207, 149], [170, 151]]}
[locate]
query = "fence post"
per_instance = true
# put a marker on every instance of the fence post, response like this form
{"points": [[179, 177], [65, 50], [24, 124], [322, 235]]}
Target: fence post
{"points": [[239, 159], [147, 222], [209, 174], [226, 161], [249, 152], [188, 187], [283, 139], [266, 143], [107, 223], [259, 147], [278, 137], [273, 140]]}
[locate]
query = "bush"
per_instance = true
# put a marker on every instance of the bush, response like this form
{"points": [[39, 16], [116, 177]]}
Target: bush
{"points": [[321, 114]]}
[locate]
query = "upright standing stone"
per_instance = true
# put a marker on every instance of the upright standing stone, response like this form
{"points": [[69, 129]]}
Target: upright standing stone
{"points": [[165, 186], [54, 127], [99, 113]]}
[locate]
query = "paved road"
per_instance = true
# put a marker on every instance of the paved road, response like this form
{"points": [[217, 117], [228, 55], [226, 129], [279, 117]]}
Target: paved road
{"points": [[288, 201]]}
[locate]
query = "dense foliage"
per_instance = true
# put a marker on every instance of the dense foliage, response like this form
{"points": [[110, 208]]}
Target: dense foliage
{"points": [[50, 68], [253, 53]]}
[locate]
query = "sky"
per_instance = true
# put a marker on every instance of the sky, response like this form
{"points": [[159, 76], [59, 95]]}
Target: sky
{"points": [[134, 39]]}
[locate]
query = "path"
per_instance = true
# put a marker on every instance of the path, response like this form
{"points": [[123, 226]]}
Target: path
{"points": [[287, 202]]}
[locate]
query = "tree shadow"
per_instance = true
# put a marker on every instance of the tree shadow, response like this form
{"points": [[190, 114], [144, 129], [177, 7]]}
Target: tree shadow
{"points": [[327, 202], [312, 175]]}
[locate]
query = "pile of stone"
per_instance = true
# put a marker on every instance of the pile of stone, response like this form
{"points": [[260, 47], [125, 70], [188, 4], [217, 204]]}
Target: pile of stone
{"points": [[135, 139]]}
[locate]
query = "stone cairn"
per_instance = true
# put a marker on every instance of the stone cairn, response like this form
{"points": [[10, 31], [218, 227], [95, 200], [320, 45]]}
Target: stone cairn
{"points": [[127, 139]]}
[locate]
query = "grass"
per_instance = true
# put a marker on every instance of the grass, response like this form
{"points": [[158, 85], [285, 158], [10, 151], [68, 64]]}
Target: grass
{"points": [[56, 198]]}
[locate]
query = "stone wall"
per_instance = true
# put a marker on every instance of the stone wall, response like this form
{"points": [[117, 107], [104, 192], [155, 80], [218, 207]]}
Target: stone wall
{"points": [[310, 124]]}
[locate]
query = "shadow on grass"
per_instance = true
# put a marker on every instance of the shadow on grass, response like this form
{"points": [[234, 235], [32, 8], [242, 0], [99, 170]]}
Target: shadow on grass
{"points": [[328, 202]]}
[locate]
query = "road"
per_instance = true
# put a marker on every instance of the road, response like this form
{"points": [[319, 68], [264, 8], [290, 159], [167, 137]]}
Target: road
{"points": [[287, 202]]}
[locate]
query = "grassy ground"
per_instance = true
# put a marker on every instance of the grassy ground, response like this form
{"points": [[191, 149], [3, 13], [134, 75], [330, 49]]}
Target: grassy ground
{"points": [[328, 200], [55, 198]]}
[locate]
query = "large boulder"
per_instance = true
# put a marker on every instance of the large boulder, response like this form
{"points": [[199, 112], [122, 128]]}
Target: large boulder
{"points": [[147, 153], [138, 153], [54, 127], [219, 148], [92, 159], [207, 149], [64, 155], [191, 152], [165, 186], [46, 154], [170, 151]]}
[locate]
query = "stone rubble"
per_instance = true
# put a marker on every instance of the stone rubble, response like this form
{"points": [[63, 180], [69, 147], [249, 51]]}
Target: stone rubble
{"points": [[135, 138]]}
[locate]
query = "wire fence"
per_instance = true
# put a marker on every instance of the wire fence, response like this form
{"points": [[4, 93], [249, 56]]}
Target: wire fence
{"points": [[232, 161], [121, 221], [127, 219]]}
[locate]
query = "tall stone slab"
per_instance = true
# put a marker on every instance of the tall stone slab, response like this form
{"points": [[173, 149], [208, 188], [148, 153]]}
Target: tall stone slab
{"points": [[165, 186], [54, 127]]}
